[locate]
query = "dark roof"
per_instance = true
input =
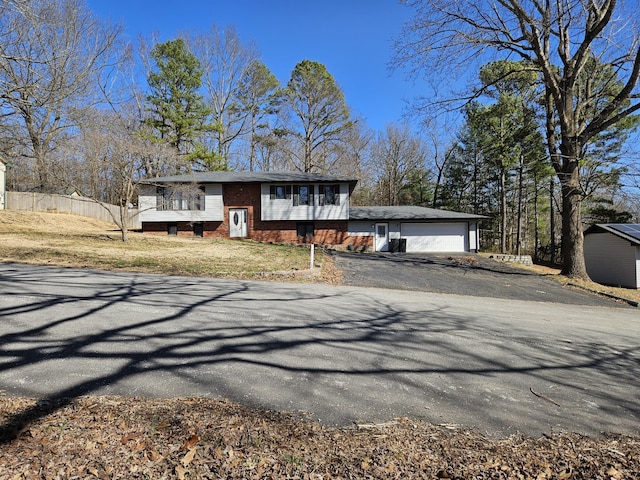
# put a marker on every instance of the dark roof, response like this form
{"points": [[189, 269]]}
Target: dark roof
{"points": [[627, 231], [408, 213], [251, 177]]}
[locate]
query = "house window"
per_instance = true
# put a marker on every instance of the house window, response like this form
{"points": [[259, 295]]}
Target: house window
{"points": [[303, 195], [305, 229], [329, 195], [280, 192], [180, 199]]}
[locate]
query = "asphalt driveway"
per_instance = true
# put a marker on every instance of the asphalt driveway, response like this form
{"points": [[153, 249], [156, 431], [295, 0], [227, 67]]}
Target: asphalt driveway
{"points": [[458, 274]]}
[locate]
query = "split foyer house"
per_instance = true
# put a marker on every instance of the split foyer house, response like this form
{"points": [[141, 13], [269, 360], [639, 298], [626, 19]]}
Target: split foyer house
{"points": [[292, 207]]}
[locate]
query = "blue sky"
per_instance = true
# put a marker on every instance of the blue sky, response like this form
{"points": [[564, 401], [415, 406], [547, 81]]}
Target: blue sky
{"points": [[352, 38]]}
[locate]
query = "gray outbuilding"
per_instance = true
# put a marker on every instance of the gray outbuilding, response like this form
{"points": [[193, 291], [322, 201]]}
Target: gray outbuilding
{"points": [[612, 254]]}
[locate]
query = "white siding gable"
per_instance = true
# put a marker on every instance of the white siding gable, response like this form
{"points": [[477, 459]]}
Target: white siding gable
{"points": [[284, 209], [213, 207]]}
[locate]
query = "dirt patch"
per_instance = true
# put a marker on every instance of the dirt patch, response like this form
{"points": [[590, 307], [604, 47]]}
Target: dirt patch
{"points": [[115, 437]]}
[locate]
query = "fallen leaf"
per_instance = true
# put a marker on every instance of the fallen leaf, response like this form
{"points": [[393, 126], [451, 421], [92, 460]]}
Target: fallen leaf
{"points": [[567, 473], [128, 437], [154, 456], [163, 424], [613, 473], [188, 458], [180, 472], [190, 442]]}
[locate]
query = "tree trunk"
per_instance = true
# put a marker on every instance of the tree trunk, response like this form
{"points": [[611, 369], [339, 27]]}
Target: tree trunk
{"points": [[552, 223], [519, 228], [503, 211], [124, 220], [573, 264]]}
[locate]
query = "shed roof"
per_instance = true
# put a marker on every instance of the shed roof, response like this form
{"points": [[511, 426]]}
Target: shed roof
{"points": [[627, 231], [409, 213], [251, 177]]}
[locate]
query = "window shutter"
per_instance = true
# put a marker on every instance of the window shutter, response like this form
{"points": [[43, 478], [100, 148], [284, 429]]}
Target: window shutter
{"points": [[288, 192], [336, 194], [311, 195], [272, 192], [160, 198]]}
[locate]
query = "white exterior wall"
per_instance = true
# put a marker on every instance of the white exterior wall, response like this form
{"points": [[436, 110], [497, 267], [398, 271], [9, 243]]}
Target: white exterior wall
{"points": [[610, 260], [213, 212], [473, 237], [3, 197], [283, 209]]}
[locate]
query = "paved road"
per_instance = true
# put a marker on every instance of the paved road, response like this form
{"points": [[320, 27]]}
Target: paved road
{"points": [[342, 354]]}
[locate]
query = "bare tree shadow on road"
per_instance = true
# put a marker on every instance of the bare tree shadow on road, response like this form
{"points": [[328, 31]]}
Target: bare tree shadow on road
{"points": [[339, 353]]}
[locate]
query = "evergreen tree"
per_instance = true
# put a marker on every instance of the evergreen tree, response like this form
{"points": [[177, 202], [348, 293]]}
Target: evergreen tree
{"points": [[321, 113], [257, 100], [178, 114]]}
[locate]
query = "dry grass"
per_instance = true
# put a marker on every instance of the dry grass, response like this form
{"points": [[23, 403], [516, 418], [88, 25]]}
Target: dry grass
{"points": [[72, 241]]}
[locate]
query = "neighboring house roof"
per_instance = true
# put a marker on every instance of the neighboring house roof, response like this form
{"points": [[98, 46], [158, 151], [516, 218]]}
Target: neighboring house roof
{"points": [[627, 231], [408, 213], [251, 177]]}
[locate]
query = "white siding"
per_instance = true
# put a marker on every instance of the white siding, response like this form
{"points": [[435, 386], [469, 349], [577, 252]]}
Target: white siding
{"points": [[610, 260], [473, 237], [213, 212], [361, 229], [436, 237], [285, 210]]}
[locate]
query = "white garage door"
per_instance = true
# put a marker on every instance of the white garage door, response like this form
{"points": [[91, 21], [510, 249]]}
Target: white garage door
{"points": [[435, 237]]}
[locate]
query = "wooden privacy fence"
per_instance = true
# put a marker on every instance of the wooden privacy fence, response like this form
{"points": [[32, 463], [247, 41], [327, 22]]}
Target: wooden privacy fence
{"points": [[42, 202]]}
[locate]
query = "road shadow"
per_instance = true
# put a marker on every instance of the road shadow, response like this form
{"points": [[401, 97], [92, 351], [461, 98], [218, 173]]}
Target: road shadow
{"points": [[68, 333]]}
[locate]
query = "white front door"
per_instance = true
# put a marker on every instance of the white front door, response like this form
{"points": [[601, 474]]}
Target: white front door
{"points": [[382, 237], [238, 222]]}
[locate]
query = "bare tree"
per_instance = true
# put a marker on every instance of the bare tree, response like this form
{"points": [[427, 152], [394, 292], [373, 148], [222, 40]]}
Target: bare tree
{"points": [[114, 158], [224, 59], [319, 113], [53, 55], [395, 154], [558, 39]]}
